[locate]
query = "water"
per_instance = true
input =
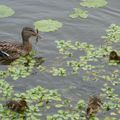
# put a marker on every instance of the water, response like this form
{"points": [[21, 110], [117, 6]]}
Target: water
{"points": [[88, 30]]}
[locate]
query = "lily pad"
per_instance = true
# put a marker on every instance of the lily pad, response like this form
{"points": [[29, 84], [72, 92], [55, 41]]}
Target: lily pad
{"points": [[79, 13], [93, 3], [47, 25], [6, 11]]}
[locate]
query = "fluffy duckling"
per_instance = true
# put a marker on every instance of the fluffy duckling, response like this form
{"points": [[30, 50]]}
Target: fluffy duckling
{"points": [[93, 106], [114, 56], [17, 106]]}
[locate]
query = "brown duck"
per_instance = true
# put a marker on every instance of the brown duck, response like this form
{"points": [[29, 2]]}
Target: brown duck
{"points": [[114, 56], [9, 51], [93, 106], [17, 106]]}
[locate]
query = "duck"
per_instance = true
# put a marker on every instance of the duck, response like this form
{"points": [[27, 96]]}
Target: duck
{"points": [[93, 106], [19, 106], [114, 56], [10, 51]]}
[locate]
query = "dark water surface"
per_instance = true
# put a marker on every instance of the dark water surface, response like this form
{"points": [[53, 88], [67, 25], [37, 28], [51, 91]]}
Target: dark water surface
{"points": [[88, 30]]}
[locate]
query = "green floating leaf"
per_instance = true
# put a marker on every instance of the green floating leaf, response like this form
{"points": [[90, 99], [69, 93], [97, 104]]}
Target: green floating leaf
{"points": [[58, 105], [93, 3], [112, 33], [110, 118], [47, 25], [6, 11], [79, 13]]}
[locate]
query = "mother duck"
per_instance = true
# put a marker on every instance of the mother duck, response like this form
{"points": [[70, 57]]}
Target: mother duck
{"points": [[9, 51]]}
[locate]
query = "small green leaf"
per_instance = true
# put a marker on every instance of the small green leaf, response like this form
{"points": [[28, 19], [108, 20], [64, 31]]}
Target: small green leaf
{"points": [[79, 13], [58, 105]]}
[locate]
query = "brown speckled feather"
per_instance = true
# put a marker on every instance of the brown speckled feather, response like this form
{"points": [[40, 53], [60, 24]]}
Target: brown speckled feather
{"points": [[15, 50]]}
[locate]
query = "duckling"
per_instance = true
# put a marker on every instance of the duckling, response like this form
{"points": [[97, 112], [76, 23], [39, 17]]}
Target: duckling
{"points": [[9, 51], [114, 56], [93, 106], [17, 106]]}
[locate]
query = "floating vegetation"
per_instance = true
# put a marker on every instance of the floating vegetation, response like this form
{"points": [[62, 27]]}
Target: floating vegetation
{"points": [[39, 101], [22, 67], [67, 48], [71, 113], [58, 72], [79, 13], [6, 90], [35, 99], [6, 11], [93, 3], [111, 99], [110, 118], [87, 3], [47, 25], [88, 62], [112, 34]]}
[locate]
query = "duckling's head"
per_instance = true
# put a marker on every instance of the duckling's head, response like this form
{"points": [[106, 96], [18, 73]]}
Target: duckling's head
{"points": [[113, 55], [28, 32], [95, 100], [23, 103]]}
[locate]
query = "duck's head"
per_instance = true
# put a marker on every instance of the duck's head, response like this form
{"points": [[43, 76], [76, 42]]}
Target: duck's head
{"points": [[113, 55], [28, 32], [23, 103], [95, 100]]}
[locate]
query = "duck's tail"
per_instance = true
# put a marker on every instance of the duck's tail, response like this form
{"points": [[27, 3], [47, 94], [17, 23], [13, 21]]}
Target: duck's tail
{"points": [[4, 54]]}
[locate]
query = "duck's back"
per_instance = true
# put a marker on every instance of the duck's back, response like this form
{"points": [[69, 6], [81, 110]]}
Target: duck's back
{"points": [[9, 51]]}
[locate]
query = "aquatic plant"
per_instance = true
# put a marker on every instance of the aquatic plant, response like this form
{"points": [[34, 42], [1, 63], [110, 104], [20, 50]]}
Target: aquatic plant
{"points": [[93, 3], [110, 118], [47, 25], [6, 11], [58, 71], [88, 63], [6, 90], [37, 98], [112, 34], [40, 100], [21, 67], [71, 113], [111, 99], [79, 13], [67, 49]]}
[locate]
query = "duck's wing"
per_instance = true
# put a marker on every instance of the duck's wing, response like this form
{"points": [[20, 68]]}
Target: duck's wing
{"points": [[10, 51]]}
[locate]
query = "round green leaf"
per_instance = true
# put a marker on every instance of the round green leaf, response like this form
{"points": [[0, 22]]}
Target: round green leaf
{"points": [[47, 25], [6, 11], [93, 3]]}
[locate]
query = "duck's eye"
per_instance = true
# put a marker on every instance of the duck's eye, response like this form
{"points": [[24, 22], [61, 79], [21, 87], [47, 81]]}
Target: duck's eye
{"points": [[31, 30]]}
